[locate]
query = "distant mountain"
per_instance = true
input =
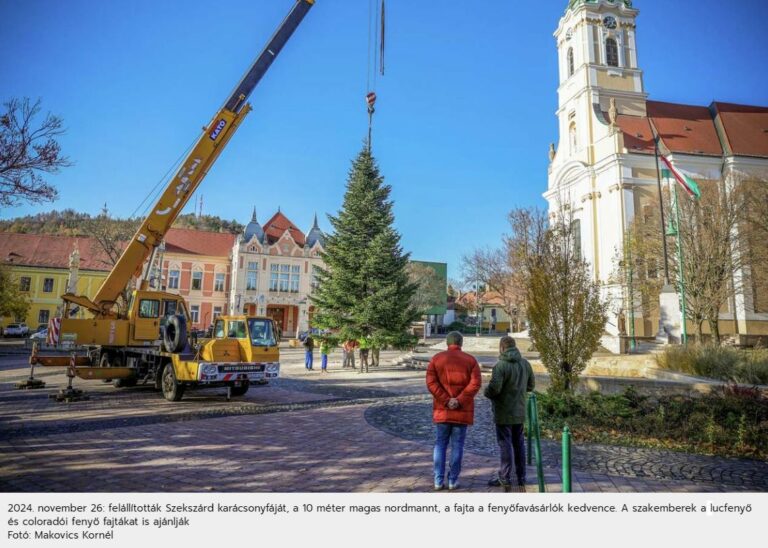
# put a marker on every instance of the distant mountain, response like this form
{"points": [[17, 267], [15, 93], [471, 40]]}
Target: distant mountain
{"points": [[72, 223]]}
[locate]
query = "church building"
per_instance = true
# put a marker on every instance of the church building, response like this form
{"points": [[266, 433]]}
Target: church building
{"points": [[604, 168]]}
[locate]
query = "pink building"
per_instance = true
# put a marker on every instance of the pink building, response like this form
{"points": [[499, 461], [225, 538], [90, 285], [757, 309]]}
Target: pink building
{"points": [[197, 265]]}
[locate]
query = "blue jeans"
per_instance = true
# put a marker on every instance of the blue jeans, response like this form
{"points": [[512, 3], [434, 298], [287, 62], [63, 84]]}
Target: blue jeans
{"points": [[308, 359], [454, 433], [324, 361]]}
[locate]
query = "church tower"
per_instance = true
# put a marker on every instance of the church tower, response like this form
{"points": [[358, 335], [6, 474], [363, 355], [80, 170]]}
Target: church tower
{"points": [[597, 60], [600, 85]]}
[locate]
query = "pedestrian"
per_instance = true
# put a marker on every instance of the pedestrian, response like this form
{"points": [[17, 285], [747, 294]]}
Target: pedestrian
{"points": [[453, 379], [365, 346], [375, 349], [325, 349], [309, 346], [512, 377], [349, 353]]}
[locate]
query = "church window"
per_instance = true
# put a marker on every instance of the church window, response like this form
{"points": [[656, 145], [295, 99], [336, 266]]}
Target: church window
{"points": [[570, 62], [611, 52], [572, 137], [576, 235]]}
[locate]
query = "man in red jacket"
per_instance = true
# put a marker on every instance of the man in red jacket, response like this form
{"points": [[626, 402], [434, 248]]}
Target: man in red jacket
{"points": [[453, 378]]}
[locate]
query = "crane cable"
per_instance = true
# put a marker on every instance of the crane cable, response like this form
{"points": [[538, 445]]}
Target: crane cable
{"points": [[376, 27]]}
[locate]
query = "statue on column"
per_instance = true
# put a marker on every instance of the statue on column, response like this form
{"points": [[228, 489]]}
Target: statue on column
{"points": [[612, 115], [74, 269]]}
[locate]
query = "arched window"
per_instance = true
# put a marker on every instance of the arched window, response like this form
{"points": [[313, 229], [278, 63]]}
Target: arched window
{"points": [[576, 235], [572, 137], [611, 52], [570, 62]]}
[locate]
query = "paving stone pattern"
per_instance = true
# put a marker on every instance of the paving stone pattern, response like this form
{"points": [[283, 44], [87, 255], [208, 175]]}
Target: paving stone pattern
{"points": [[412, 420], [337, 432]]}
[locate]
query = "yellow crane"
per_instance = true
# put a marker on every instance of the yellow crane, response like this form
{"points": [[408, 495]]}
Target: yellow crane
{"points": [[147, 340]]}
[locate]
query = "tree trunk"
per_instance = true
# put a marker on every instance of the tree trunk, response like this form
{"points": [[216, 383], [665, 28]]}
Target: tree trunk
{"points": [[699, 331], [714, 329]]}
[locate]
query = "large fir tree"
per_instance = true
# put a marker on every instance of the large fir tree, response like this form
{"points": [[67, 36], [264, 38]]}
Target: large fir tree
{"points": [[364, 290]]}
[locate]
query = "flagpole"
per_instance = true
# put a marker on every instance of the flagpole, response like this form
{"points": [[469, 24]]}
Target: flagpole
{"points": [[661, 208], [680, 269]]}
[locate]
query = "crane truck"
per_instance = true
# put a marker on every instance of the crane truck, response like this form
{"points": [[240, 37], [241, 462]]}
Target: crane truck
{"points": [[146, 340]]}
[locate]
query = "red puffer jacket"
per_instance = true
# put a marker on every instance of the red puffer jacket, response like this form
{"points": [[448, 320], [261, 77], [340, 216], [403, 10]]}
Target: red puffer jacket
{"points": [[453, 374]]}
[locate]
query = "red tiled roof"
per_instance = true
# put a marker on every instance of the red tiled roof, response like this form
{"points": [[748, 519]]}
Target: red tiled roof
{"points": [[745, 128], [50, 251], [199, 242], [691, 129], [687, 129], [278, 224], [638, 136]]}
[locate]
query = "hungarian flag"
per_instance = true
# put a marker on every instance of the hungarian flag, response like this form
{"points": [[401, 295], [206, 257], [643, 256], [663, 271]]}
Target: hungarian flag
{"points": [[686, 182]]}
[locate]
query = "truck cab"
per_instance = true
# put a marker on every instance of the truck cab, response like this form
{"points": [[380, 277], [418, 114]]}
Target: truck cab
{"points": [[243, 351]]}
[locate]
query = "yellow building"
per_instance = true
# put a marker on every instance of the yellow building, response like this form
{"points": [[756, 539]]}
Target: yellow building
{"points": [[42, 265]]}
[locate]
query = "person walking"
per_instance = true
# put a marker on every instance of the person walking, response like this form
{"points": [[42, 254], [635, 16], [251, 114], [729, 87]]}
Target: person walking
{"points": [[365, 346], [325, 349], [349, 353], [453, 379], [375, 350], [511, 379], [309, 346]]}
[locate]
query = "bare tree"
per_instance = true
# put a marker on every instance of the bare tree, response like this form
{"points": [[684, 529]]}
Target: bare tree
{"points": [[111, 236], [497, 270], [720, 237], [638, 267], [430, 290], [27, 150]]}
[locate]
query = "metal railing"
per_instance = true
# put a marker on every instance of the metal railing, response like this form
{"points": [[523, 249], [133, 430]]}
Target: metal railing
{"points": [[534, 440]]}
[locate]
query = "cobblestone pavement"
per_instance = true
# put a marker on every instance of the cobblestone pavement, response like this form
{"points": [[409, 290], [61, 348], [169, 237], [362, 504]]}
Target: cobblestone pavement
{"points": [[412, 420], [337, 432]]}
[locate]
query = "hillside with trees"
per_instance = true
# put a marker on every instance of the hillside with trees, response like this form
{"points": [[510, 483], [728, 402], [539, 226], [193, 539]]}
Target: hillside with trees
{"points": [[72, 223]]}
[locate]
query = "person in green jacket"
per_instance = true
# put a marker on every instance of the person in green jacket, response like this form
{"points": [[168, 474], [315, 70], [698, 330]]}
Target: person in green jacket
{"points": [[325, 349], [511, 379]]}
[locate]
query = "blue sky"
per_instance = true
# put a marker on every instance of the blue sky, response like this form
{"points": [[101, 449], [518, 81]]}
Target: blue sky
{"points": [[464, 118]]}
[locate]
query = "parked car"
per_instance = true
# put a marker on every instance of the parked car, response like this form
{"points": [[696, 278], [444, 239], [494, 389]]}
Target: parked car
{"points": [[16, 330], [39, 335]]}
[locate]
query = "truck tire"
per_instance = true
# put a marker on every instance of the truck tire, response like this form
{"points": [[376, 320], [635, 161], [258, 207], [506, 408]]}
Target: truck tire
{"points": [[240, 390], [172, 390], [175, 334]]}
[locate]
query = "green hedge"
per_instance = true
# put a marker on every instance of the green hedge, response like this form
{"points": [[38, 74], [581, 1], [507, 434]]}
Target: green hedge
{"points": [[730, 422]]}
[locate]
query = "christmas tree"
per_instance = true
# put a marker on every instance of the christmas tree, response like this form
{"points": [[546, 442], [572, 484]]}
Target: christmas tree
{"points": [[364, 290]]}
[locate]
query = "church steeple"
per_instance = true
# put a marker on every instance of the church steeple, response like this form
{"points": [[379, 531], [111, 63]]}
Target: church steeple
{"points": [[598, 68]]}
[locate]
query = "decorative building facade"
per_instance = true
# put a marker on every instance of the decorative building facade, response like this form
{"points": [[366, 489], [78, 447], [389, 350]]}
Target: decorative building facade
{"points": [[197, 265], [274, 272], [604, 168]]}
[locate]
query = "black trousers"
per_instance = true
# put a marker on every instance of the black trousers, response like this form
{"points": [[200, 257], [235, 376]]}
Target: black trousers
{"points": [[511, 441]]}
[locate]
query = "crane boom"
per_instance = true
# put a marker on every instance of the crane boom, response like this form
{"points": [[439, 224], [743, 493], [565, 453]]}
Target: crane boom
{"points": [[193, 169]]}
